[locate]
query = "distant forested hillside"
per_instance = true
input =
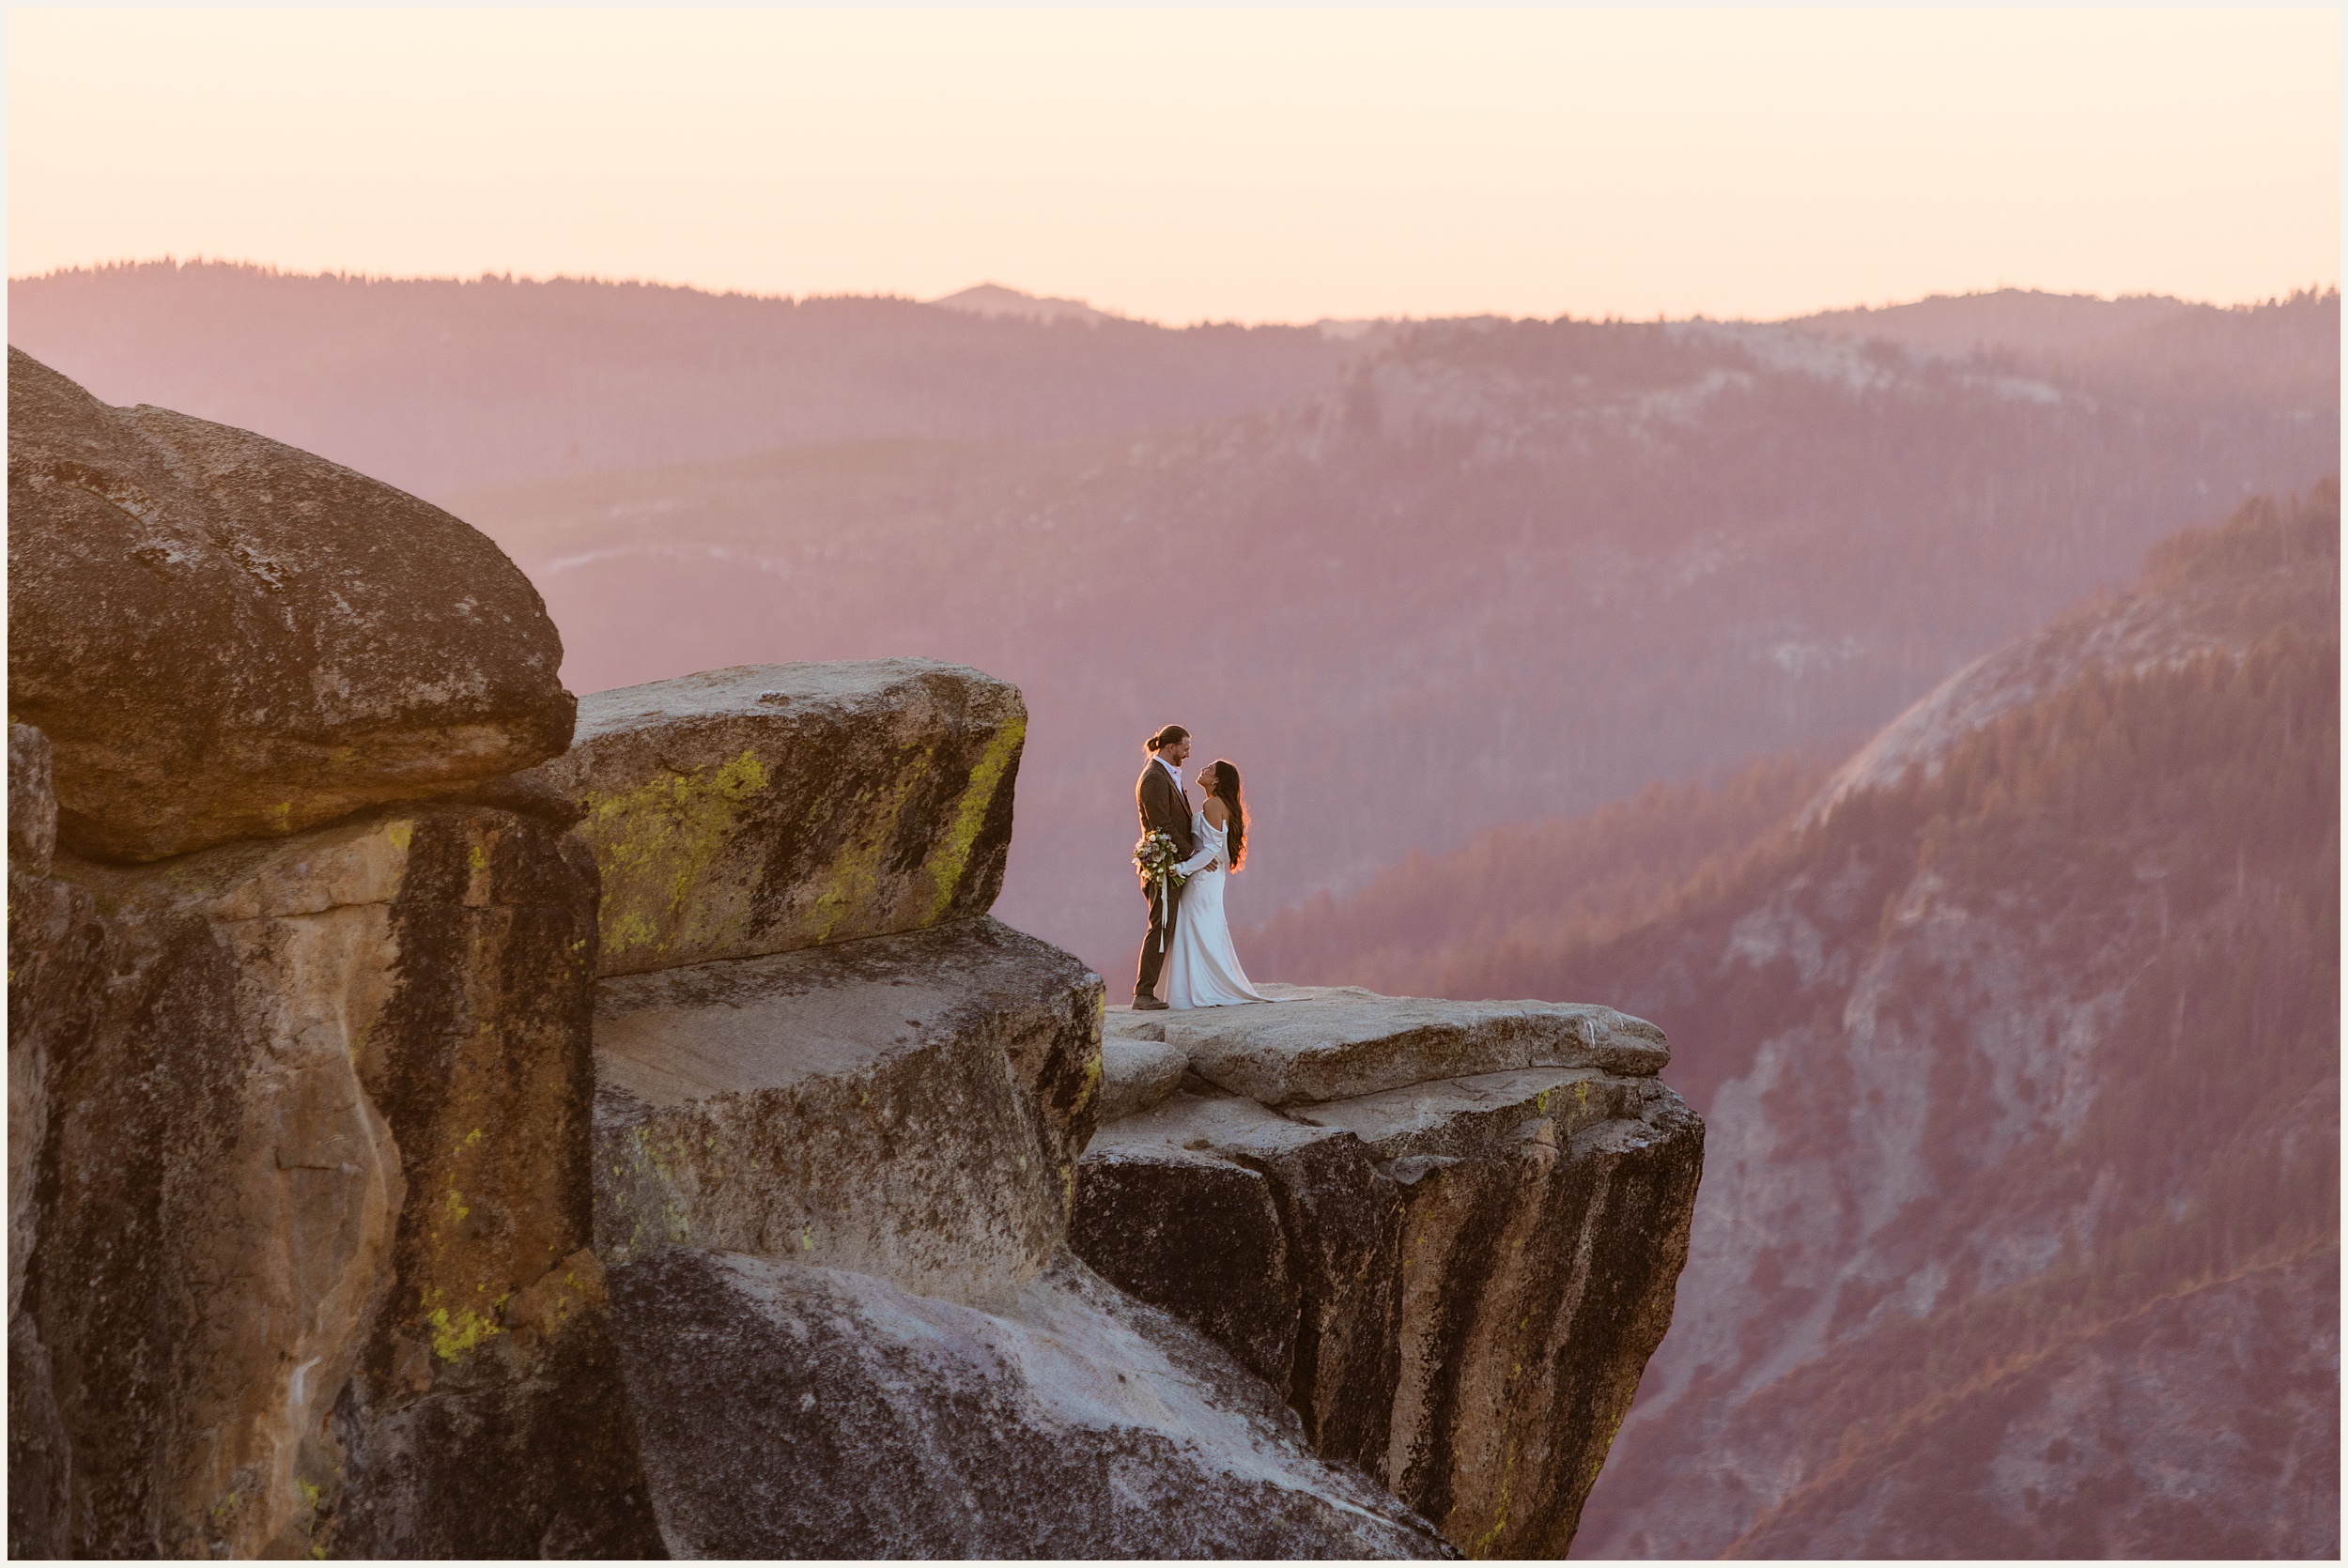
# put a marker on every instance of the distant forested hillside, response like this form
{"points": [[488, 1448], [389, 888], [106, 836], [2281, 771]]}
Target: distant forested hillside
{"points": [[1490, 919], [1501, 572], [436, 384], [2019, 1228], [1465, 574]]}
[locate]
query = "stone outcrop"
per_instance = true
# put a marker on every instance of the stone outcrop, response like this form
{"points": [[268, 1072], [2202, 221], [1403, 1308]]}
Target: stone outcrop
{"points": [[312, 1272], [771, 808], [906, 1106], [838, 1122], [224, 638], [1454, 1278], [833, 1188], [1136, 1074]]}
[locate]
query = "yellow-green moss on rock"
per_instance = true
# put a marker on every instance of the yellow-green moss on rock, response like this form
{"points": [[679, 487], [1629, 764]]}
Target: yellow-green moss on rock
{"points": [[766, 809], [281, 1263]]}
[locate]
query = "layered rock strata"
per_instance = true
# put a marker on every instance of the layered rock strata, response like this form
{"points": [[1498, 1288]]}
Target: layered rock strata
{"points": [[224, 638], [1455, 1277], [312, 1269], [770, 807]]}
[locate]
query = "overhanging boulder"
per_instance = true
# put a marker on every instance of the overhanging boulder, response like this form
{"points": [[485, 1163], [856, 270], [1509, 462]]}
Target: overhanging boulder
{"points": [[226, 637]]}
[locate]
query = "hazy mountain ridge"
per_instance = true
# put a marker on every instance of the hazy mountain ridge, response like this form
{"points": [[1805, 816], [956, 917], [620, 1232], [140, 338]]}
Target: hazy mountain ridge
{"points": [[2209, 592], [436, 384], [2020, 1227], [1436, 926], [1504, 571], [1467, 573], [2019, 320]]}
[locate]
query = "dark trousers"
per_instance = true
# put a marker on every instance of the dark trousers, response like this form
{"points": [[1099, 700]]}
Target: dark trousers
{"points": [[1161, 936]]}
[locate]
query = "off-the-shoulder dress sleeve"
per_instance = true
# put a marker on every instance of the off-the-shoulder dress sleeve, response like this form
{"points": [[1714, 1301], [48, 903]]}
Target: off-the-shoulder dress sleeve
{"points": [[1212, 842]]}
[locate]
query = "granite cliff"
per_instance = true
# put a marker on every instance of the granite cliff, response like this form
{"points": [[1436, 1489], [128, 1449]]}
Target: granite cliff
{"points": [[1447, 1232], [448, 1119]]}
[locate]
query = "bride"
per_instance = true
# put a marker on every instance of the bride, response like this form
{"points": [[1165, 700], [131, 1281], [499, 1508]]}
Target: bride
{"points": [[1202, 968]]}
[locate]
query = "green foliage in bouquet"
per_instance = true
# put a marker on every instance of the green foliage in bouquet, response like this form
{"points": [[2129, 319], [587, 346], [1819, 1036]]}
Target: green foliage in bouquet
{"points": [[1156, 855]]}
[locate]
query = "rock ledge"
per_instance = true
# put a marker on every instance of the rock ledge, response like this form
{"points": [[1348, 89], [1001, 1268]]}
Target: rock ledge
{"points": [[1447, 1232], [1335, 1042]]}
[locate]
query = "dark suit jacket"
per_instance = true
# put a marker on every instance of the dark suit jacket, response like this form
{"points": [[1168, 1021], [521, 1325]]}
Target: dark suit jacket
{"points": [[1163, 809]]}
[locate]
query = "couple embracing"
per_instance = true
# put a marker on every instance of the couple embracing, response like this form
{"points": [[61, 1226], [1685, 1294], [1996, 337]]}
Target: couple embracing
{"points": [[1184, 857]]}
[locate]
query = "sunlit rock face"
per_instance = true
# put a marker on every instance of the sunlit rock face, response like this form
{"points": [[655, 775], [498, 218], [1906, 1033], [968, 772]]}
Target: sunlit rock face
{"points": [[771, 808], [825, 1413], [833, 1188], [1454, 1278], [312, 1272], [224, 638]]}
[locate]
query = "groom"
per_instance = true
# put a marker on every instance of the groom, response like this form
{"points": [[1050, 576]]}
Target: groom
{"points": [[1164, 808]]}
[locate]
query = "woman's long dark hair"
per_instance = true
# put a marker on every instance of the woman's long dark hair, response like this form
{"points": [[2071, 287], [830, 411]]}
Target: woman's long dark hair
{"points": [[1226, 785]]}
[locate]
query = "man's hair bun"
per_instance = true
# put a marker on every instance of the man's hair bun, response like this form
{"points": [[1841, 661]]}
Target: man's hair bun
{"points": [[1172, 734]]}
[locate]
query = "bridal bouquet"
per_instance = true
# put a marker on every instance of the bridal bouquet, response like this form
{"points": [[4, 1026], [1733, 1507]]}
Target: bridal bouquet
{"points": [[1155, 858]]}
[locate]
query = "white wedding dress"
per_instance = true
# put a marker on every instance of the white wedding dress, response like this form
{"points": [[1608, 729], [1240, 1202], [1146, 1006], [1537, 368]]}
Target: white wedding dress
{"points": [[1201, 965]]}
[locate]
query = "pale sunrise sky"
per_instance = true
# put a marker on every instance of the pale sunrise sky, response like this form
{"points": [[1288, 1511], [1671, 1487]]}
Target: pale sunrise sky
{"points": [[1198, 164]]}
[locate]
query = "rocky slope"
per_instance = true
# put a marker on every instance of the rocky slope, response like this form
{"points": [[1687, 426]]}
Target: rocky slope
{"points": [[661, 1150], [2019, 1057]]}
